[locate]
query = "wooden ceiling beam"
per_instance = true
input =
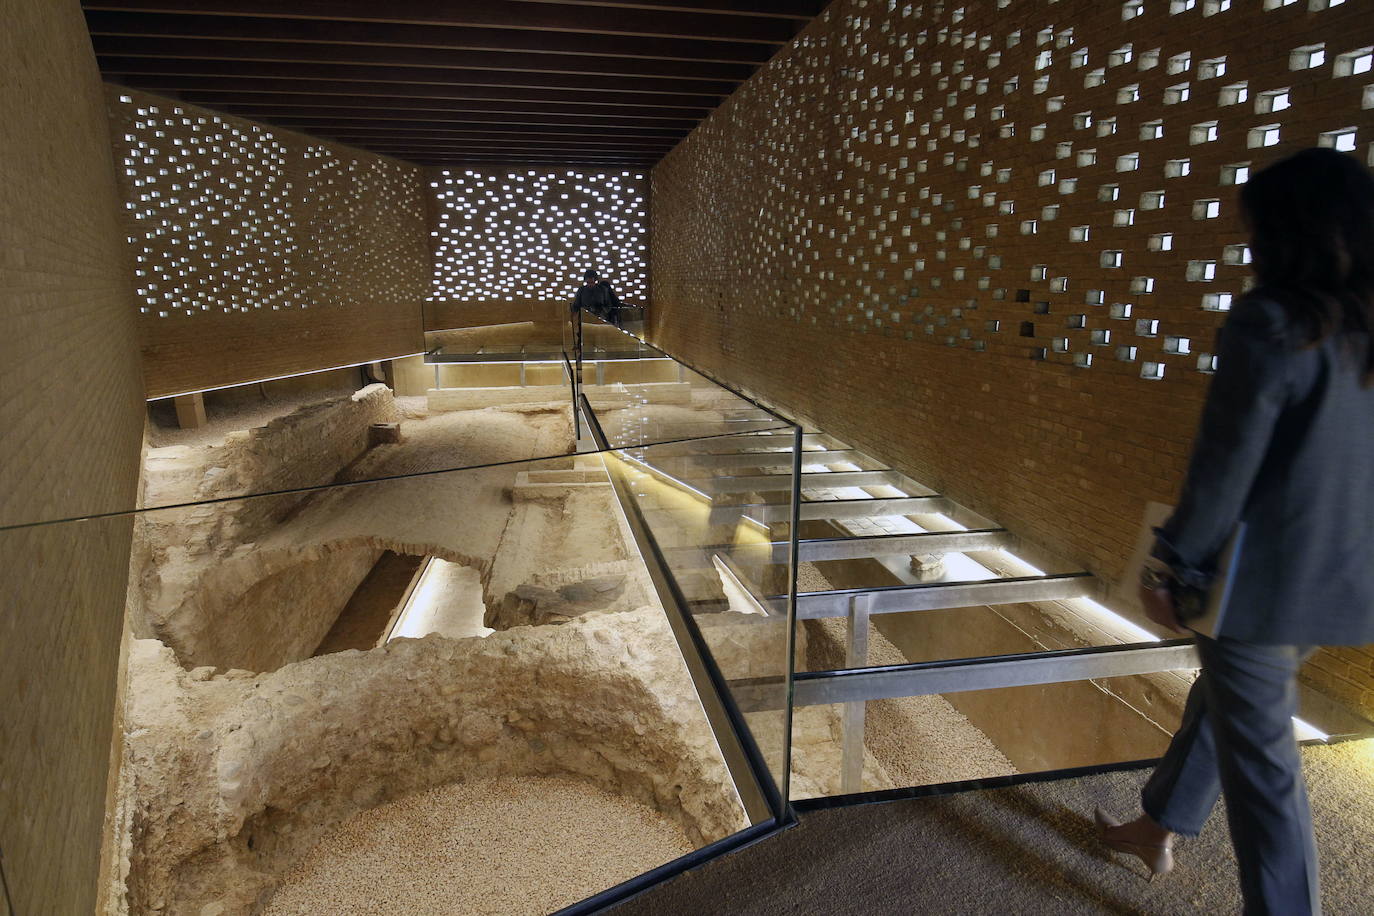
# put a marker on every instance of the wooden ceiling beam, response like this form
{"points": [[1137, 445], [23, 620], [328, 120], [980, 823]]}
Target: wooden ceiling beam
{"points": [[783, 9], [550, 143], [667, 127], [600, 48], [333, 104], [489, 14], [644, 165], [553, 133], [406, 152], [602, 83], [564, 140], [372, 94], [417, 65]]}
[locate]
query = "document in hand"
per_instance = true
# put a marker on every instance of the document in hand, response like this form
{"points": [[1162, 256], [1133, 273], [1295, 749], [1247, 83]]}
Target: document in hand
{"points": [[1209, 622]]}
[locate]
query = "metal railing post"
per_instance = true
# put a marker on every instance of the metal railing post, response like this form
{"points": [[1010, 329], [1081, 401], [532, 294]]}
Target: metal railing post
{"points": [[852, 713], [793, 559]]}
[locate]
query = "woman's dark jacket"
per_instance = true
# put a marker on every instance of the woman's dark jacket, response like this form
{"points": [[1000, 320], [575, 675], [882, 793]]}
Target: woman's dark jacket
{"points": [[1286, 445]]}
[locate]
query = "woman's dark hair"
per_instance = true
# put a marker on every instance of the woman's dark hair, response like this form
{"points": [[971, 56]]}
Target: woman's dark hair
{"points": [[1311, 219]]}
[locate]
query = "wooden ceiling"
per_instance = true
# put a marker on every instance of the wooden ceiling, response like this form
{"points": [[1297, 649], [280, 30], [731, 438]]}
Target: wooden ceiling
{"points": [[437, 82]]}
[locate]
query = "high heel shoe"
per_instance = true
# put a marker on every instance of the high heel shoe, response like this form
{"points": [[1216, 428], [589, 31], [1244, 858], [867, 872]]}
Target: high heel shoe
{"points": [[1158, 857]]}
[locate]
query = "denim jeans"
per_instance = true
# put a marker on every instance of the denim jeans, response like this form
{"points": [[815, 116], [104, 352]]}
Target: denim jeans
{"points": [[1237, 738]]}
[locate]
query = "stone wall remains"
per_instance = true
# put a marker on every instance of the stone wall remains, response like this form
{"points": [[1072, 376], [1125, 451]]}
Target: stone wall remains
{"points": [[236, 777], [203, 585]]}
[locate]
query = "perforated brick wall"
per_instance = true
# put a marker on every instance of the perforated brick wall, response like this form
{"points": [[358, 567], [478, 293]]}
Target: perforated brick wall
{"points": [[992, 241], [512, 244], [260, 252]]}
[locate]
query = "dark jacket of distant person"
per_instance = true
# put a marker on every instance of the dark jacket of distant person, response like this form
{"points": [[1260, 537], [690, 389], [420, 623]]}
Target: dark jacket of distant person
{"points": [[598, 298]]}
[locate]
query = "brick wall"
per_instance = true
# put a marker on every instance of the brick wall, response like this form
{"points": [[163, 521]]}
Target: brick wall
{"points": [[511, 244], [992, 241], [71, 412], [261, 252]]}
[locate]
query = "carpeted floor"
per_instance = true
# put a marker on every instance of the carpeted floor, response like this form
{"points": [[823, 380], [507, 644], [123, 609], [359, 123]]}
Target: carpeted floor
{"points": [[1024, 849]]}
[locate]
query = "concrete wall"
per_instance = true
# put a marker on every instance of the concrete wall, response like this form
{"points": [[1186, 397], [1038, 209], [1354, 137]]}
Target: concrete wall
{"points": [[70, 408], [263, 252], [922, 226]]}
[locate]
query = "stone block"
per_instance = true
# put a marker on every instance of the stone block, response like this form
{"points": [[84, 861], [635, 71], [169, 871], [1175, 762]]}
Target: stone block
{"points": [[379, 433]]}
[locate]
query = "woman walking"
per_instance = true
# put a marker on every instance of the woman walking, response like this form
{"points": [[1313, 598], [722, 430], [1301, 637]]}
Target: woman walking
{"points": [[1286, 447]]}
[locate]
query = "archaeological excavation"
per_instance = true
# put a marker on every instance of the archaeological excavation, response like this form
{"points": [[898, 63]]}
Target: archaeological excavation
{"points": [[617, 456], [303, 658], [386, 630]]}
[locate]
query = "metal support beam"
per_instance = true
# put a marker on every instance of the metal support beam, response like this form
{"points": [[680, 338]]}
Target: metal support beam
{"points": [[852, 714], [815, 550], [819, 688], [679, 463], [765, 482], [853, 548], [738, 442], [820, 509], [936, 596]]}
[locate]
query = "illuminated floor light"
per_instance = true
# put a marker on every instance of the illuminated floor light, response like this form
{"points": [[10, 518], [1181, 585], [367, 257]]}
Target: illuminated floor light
{"points": [[1306, 731], [1024, 568], [665, 477], [430, 595], [1139, 633]]}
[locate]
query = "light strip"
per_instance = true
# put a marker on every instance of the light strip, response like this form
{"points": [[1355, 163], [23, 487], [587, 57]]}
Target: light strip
{"points": [[513, 362], [277, 378], [1303, 730], [410, 598], [666, 478], [1116, 619], [1306, 731], [495, 362], [757, 525]]}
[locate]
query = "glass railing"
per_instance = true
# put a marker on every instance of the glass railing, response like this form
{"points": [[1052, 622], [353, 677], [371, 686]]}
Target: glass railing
{"points": [[342, 424], [906, 603]]}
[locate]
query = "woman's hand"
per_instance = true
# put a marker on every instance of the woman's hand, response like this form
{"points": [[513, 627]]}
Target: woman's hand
{"points": [[1159, 607]]}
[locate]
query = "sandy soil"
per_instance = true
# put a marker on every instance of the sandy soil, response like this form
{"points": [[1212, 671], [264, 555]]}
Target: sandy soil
{"points": [[467, 438], [917, 740], [489, 846]]}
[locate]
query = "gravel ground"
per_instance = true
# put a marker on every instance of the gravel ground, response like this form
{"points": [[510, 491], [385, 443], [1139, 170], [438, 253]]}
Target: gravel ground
{"points": [[918, 740], [506, 846]]}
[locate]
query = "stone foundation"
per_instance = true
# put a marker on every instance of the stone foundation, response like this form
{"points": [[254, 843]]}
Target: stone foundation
{"points": [[233, 778]]}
